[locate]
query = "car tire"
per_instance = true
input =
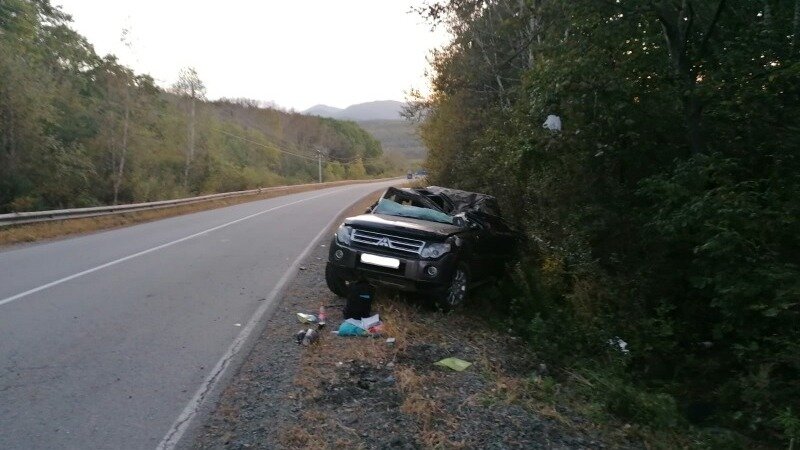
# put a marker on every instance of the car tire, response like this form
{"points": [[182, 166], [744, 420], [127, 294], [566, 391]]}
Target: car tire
{"points": [[454, 295], [335, 281]]}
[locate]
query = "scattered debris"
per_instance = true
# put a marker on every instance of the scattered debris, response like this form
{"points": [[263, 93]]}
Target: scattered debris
{"points": [[368, 326], [367, 322], [390, 341], [348, 329], [322, 316], [542, 371], [619, 344], [306, 318], [459, 365], [310, 337], [552, 123]]}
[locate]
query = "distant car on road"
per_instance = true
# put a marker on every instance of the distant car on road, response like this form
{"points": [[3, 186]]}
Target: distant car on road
{"points": [[437, 241]]}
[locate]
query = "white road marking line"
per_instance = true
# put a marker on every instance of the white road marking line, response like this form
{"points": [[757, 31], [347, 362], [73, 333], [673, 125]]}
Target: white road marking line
{"points": [[151, 250], [183, 421]]}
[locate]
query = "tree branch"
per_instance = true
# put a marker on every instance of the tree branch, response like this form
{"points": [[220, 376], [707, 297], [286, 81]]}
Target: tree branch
{"points": [[711, 26]]}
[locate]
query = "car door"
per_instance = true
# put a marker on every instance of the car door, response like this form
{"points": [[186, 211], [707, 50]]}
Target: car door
{"points": [[499, 243]]}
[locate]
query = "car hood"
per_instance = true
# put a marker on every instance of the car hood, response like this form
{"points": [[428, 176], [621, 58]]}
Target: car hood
{"points": [[402, 225]]}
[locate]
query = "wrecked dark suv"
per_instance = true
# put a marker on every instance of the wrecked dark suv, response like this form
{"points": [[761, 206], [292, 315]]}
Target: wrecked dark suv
{"points": [[436, 241]]}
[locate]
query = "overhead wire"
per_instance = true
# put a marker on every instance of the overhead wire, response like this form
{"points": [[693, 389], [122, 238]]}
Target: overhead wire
{"points": [[264, 145], [328, 158]]}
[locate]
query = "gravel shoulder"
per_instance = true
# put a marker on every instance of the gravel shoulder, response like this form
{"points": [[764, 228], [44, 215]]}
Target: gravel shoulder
{"points": [[363, 393]]}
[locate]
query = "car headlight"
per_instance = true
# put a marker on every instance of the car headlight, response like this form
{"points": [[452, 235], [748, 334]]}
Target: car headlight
{"points": [[435, 250], [343, 234]]}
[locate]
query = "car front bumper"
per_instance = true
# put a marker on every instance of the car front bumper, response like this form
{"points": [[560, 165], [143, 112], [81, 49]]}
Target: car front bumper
{"points": [[413, 274]]}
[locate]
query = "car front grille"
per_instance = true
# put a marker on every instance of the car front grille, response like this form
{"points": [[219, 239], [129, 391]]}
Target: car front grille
{"points": [[387, 241]]}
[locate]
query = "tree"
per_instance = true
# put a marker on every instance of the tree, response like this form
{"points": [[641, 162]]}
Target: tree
{"points": [[190, 86], [355, 170], [334, 171]]}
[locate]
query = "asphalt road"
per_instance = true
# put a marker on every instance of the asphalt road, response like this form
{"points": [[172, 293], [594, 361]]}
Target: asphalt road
{"points": [[109, 340]]}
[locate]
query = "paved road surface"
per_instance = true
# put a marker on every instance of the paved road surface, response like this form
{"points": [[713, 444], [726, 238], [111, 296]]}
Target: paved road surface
{"points": [[106, 338]]}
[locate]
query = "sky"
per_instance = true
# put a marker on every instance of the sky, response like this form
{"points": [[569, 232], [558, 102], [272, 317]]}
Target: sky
{"points": [[296, 53]]}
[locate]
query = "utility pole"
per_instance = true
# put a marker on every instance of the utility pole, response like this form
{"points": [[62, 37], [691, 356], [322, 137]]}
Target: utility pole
{"points": [[319, 164]]}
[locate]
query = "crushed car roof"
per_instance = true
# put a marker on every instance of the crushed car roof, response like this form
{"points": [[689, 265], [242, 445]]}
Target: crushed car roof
{"points": [[449, 201]]}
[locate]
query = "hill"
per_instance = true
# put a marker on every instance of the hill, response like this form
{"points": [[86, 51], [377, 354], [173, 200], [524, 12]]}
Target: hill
{"points": [[323, 111], [377, 110], [382, 120], [397, 137]]}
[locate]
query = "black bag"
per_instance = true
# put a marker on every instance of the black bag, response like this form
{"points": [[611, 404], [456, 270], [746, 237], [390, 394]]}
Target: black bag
{"points": [[359, 300]]}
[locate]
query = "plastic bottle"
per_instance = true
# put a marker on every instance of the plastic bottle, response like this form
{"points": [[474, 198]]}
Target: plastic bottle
{"points": [[321, 317]]}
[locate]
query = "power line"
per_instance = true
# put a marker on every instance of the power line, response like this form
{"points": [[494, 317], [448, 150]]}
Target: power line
{"points": [[345, 162], [264, 145], [330, 158]]}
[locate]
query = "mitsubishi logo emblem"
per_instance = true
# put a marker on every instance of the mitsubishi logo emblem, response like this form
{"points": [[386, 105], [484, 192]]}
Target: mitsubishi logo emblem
{"points": [[384, 242]]}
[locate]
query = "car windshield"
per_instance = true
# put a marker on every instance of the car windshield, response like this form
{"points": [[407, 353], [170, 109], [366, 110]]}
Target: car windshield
{"points": [[392, 208]]}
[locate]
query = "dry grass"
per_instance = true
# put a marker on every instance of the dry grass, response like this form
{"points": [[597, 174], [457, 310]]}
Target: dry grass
{"points": [[420, 397], [33, 232], [298, 437]]}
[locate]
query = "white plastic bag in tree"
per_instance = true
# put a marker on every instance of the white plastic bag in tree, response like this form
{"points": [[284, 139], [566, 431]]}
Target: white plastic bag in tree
{"points": [[553, 123]]}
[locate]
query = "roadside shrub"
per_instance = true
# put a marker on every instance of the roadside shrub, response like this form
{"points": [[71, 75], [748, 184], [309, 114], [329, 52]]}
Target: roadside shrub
{"points": [[639, 406], [727, 240]]}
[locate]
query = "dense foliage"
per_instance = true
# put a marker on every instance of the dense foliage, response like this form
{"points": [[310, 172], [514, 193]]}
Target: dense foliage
{"points": [[77, 129], [666, 211]]}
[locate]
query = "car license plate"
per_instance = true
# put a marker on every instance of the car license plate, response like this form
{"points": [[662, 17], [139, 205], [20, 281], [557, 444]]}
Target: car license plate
{"points": [[375, 260]]}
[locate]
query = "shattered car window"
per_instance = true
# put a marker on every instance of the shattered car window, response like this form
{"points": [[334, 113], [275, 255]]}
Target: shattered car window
{"points": [[392, 208]]}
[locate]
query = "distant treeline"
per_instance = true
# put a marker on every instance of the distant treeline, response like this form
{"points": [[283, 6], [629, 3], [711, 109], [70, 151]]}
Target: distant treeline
{"points": [[77, 129]]}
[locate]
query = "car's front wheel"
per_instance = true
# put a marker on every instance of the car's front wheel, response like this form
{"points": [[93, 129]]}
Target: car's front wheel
{"points": [[335, 280], [455, 294]]}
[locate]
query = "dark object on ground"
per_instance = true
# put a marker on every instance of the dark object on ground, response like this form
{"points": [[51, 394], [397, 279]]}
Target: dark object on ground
{"points": [[359, 300], [437, 241], [310, 337]]}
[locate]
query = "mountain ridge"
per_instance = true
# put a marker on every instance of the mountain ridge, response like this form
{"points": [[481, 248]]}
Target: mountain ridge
{"points": [[375, 110]]}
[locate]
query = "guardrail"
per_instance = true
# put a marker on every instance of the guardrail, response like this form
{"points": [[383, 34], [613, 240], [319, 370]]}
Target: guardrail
{"points": [[78, 213]]}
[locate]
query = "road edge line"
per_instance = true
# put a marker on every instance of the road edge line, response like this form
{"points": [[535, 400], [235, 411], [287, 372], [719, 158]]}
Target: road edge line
{"points": [[208, 389]]}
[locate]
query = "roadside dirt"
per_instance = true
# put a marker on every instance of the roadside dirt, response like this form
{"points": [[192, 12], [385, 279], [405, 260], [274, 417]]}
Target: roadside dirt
{"points": [[360, 392]]}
